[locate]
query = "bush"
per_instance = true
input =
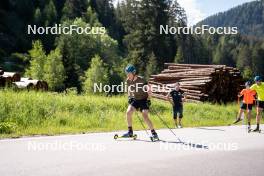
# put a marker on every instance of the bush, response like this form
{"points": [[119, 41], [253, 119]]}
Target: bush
{"points": [[7, 127], [96, 74]]}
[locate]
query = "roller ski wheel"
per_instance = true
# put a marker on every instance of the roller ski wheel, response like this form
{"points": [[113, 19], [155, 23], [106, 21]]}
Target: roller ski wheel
{"points": [[134, 137], [249, 129], [115, 136], [154, 138]]}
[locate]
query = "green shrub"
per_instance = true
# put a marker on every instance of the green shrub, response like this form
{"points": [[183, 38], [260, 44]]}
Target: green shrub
{"points": [[7, 127], [60, 113]]}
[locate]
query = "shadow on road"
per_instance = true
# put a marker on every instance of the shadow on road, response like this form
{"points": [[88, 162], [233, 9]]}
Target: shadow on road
{"points": [[192, 145], [210, 129]]}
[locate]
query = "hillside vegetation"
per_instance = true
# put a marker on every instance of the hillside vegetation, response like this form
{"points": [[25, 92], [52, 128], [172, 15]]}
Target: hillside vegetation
{"points": [[248, 17], [34, 113]]}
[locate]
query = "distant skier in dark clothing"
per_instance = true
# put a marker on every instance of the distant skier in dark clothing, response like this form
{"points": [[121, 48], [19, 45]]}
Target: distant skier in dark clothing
{"points": [[177, 97]]}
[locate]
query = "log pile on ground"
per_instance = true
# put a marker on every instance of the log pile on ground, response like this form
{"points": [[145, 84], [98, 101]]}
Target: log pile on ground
{"points": [[13, 79], [31, 84], [213, 83]]}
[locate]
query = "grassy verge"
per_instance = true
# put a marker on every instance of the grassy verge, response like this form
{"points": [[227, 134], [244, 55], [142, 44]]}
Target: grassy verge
{"points": [[34, 113]]}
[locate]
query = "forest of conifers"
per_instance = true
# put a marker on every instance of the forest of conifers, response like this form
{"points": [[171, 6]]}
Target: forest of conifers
{"points": [[133, 36]]}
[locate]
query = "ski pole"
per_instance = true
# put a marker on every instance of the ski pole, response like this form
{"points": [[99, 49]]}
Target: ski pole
{"points": [[243, 114], [142, 124], [164, 123], [238, 105], [246, 118]]}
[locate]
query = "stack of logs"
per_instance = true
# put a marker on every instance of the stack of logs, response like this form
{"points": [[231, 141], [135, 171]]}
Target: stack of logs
{"points": [[213, 83], [12, 79]]}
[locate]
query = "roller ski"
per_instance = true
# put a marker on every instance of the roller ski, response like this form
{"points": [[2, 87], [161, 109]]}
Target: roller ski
{"points": [[257, 130], [128, 135]]}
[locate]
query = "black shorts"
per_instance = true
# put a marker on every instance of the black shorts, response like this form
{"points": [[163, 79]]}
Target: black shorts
{"points": [[140, 104], [261, 104], [246, 106], [177, 110]]}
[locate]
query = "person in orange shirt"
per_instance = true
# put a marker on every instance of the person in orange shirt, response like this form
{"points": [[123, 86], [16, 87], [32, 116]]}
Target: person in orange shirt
{"points": [[247, 104]]}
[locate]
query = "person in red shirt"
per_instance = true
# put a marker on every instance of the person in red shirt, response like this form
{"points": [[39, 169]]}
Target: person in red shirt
{"points": [[247, 104]]}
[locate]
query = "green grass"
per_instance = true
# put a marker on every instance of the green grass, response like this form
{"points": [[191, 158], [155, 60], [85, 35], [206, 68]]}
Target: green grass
{"points": [[37, 113]]}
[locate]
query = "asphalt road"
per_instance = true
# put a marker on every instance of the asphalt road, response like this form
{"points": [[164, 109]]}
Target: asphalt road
{"points": [[214, 151]]}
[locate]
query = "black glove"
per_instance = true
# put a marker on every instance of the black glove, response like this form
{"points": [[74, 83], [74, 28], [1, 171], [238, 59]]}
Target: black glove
{"points": [[148, 103], [130, 100]]}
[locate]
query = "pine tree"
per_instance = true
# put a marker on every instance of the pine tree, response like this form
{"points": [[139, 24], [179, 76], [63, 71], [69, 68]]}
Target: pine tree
{"points": [[180, 56], [105, 11], [37, 17], [244, 58], [73, 9], [151, 66], [223, 52], [50, 13], [258, 60], [49, 18], [91, 17], [177, 15], [119, 28], [142, 20]]}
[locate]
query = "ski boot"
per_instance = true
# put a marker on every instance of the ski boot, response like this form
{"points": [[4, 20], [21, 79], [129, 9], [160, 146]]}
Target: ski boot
{"points": [[238, 120], [128, 134], [257, 130], [154, 137]]}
